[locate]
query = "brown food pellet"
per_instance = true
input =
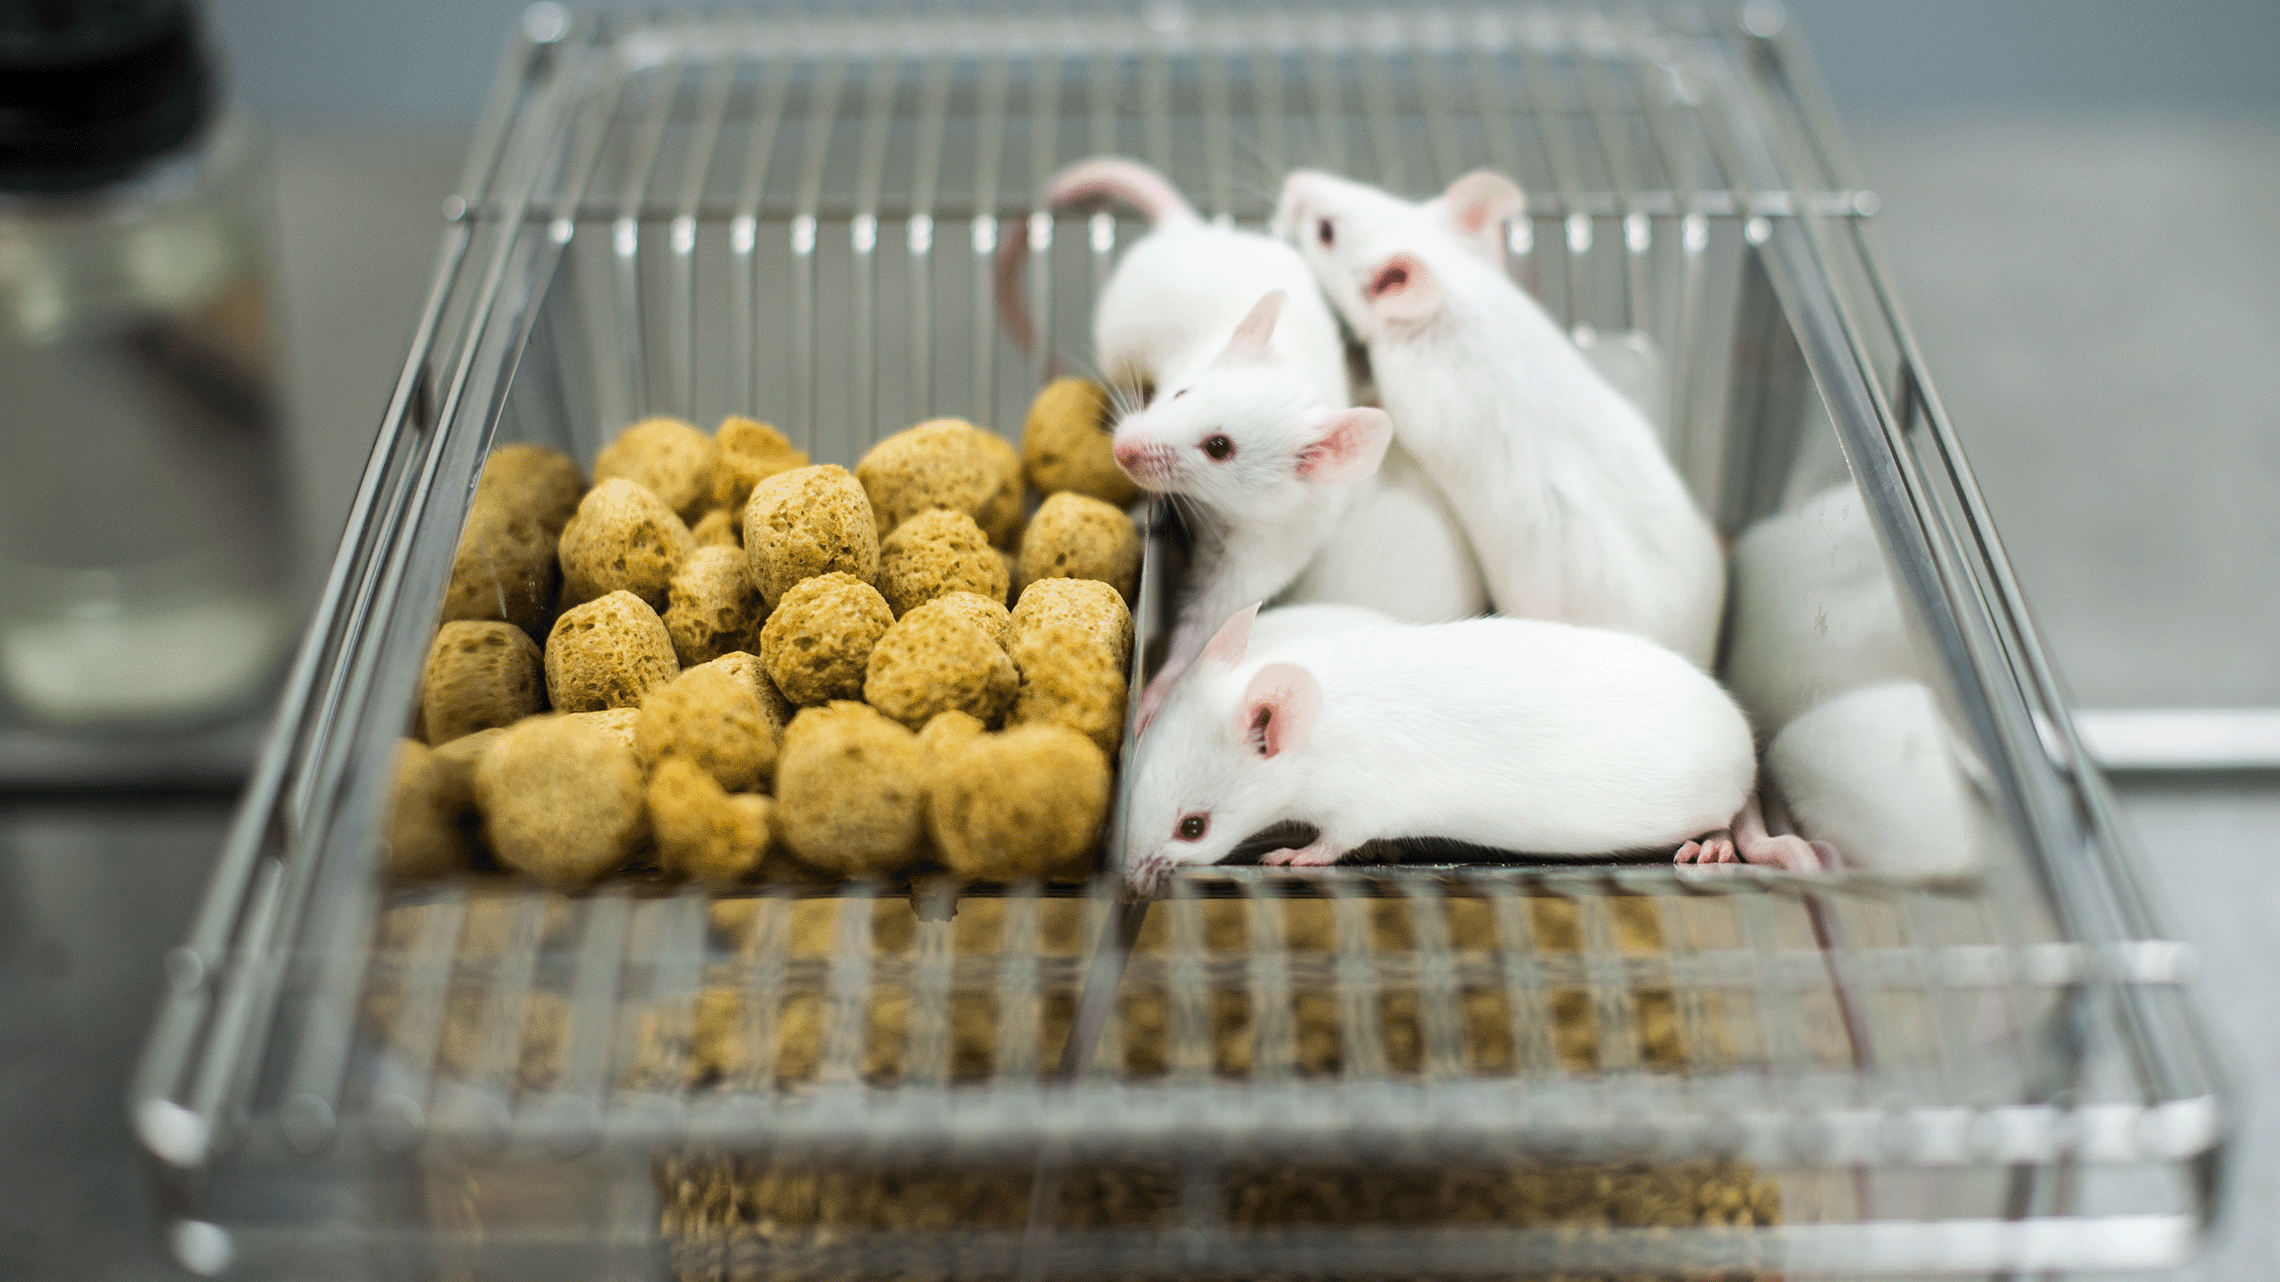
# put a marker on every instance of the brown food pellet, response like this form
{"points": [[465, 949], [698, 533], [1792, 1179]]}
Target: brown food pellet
{"points": [[710, 718], [942, 463], [1067, 446], [617, 723], [622, 538], [561, 801], [933, 661], [850, 790], [937, 552], [702, 832], [504, 568], [746, 667], [607, 654], [480, 675], [986, 613], [712, 608], [945, 731], [1001, 513], [719, 528], [807, 522], [1075, 537], [750, 452], [1070, 639], [424, 834], [1018, 804], [666, 456], [818, 641]]}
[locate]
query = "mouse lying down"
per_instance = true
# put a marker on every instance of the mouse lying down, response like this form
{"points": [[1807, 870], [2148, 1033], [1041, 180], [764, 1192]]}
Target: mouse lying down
{"points": [[1514, 734]]}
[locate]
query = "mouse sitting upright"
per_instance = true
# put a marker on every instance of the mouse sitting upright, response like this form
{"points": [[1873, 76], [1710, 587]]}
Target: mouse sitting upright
{"points": [[1571, 504], [1225, 337], [1515, 734]]}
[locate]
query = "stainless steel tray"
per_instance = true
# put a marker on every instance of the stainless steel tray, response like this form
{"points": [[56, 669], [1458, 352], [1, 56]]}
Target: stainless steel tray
{"points": [[792, 213]]}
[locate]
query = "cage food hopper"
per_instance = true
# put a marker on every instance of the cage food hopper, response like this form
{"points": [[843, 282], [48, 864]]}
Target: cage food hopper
{"points": [[1391, 1070]]}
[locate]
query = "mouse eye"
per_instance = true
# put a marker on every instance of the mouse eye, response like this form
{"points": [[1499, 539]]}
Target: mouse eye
{"points": [[1218, 447], [1325, 233], [1192, 827]]}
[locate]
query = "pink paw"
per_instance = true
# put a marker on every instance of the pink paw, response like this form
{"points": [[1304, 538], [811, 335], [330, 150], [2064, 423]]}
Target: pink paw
{"points": [[1789, 852], [1315, 856], [1716, 848]]}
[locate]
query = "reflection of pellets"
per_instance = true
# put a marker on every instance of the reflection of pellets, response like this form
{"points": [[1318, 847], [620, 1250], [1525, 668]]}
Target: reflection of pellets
{"points": [[1066, 443], [937, 552], [703, 833], [666, 456], [933, 661], [819, 639], [711, 719], [607, 654], [1074, 537], [1018, 804], [850, 790], [480, 675], [712, 608], [623, 537], [561, 801], [806, 522]]}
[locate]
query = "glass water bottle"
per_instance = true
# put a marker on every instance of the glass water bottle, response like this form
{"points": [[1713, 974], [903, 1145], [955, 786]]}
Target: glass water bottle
{"points": [[145, 549]]}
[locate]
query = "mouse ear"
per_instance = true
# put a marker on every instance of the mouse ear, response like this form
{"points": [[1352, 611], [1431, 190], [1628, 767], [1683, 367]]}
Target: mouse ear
{"points": [[1278, 710], [1481, 201], [1233, 638], [1348, 446], [1256, 329], [1402, 288]]}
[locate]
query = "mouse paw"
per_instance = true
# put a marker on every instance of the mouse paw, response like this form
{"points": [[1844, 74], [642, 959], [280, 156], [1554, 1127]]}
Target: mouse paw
{"points": [[1315, 856], [1711, 848], [1757, 846], [1788, 852]]}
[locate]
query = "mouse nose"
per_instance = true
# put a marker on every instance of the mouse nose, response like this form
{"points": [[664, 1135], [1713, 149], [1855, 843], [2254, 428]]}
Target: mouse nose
{"points": [[1129, 455]]}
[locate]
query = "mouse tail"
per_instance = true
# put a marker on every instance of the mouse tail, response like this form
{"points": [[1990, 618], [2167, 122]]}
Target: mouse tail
{"points": [[1113, 178]]}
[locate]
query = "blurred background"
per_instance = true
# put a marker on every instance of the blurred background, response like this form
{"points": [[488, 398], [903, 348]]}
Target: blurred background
{"points": [[2079, 205]]}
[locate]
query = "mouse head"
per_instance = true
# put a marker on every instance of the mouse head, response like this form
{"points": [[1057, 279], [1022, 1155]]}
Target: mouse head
{"points": [[1248, 428], [1220, 760], [1384, 262]]}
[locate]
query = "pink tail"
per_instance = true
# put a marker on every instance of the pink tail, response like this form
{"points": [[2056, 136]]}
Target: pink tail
{"points": [[1100, 178]]}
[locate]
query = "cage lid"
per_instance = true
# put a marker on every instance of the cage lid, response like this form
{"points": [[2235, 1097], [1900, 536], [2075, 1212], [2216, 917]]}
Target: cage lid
{"points": [[90, 90]]}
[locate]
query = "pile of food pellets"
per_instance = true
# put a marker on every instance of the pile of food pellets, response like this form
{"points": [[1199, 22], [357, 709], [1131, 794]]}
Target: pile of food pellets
{"points": [[723, 662]]}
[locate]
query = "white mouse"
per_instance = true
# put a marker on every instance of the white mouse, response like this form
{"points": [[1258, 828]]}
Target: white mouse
{"points": [[1814, 611], [1567, 496], [1515, 734], [1239, 371], [1878, 780]]}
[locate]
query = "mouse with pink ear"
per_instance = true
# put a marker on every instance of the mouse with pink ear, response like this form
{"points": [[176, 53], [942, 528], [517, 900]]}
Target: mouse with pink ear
{"points": [[1261, 467], [1571, 504], [1514, 734]]}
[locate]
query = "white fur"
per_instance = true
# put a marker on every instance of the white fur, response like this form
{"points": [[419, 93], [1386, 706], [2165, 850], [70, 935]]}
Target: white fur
{"points": [[1509, 733], [1877, 774], [1570, 503], [1814, 610], [1399, 549]]}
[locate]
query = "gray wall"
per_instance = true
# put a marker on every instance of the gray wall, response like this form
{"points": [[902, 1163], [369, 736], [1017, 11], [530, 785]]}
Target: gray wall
{"points": [[423, 64]]}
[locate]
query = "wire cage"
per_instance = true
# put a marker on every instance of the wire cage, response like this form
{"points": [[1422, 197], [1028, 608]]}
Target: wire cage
{"points": [[1364, 1071]]}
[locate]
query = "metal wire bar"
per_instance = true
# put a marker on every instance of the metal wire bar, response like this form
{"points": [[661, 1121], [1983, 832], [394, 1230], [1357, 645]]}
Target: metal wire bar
{"points": [[712, 116], [744, 231], [1361, 1037], [847, 1005], [823, 112], [863, 244]]}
